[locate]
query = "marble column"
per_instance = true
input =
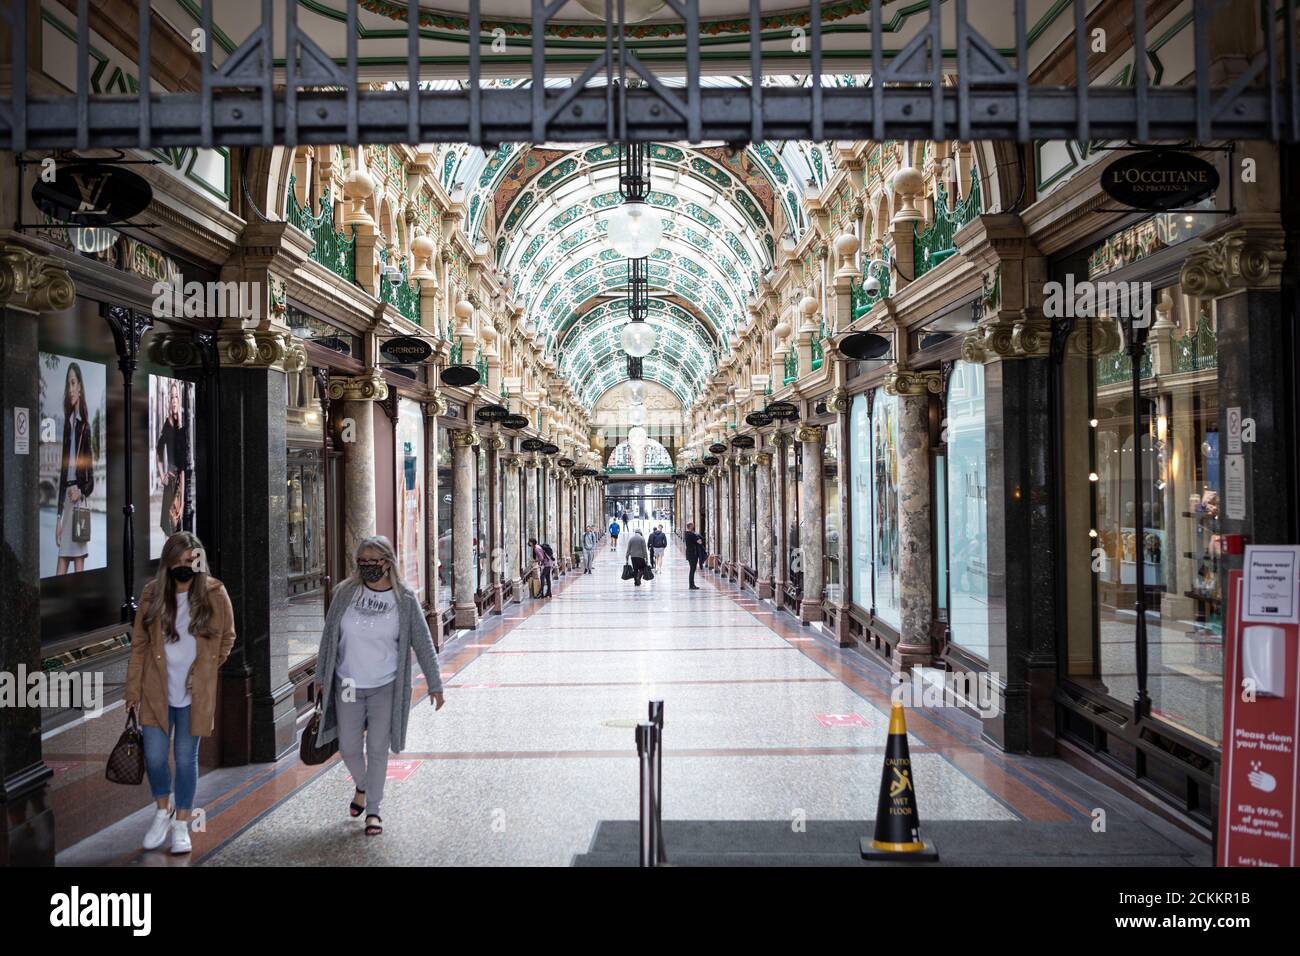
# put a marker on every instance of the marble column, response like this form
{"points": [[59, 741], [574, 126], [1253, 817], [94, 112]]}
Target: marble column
{"points": [[811, 522], [744, 527], [780, 546], [355, 433], [915, 561], [432, 410], [510, 475], [724, 516], [464, 477], [29, 286], [495, 445], [763, 494]]}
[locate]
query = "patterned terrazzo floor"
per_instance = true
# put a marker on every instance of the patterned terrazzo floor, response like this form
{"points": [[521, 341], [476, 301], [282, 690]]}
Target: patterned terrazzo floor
{"points": [[535, 746]]}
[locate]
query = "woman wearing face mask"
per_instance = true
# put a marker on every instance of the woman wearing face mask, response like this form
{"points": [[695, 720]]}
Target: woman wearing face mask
{"points": [[373, 623], [183, 633]]}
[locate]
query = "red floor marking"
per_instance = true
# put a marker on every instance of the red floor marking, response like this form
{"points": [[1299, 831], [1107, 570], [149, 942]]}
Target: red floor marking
{"points": [[398, 769], [842, 720], [475, 686]]}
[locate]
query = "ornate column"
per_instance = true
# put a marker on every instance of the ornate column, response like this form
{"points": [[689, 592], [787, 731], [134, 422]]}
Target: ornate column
{"points": [[763, 504], [496, 480], [463, 442], [532, 481], [30, 285], [355, 420], [811, 520], [780, 441], [510, 471], [432, 409], [915, 562], [725, 495], [744, 527]]}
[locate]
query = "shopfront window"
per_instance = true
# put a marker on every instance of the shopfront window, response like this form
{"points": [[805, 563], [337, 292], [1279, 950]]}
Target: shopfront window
{"points": [[444, 517], [831, 504], [752, 517], [884, 508], [410, 499], [1174, 531], [860, 501], [965, 540]]}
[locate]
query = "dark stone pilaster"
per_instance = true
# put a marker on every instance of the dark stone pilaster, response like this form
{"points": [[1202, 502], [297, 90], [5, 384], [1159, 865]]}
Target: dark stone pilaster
{"points": [[257, 709], [26, 816]]}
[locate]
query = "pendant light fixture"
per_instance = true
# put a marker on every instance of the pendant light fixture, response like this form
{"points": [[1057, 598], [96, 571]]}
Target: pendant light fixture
{"points": [[638, 336], [634, 228]]}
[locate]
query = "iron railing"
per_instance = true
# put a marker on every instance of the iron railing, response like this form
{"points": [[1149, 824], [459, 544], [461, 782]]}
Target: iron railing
{"points": [[934, 244], [968, 89], [332, 249]]}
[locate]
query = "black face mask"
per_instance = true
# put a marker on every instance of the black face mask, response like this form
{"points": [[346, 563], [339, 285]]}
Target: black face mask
{"points": [[182, 574], [370, 573]]}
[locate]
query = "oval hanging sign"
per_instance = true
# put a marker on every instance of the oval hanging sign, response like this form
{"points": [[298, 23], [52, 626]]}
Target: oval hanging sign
{"points": [[460, 376], [515, 422], [743, 441], [565, 463], [406, 350], [710, 460], [550, 448], [1159, 179], [531, 444], [717, 448], [92, 194], [759, 419], [864, 346], [786, 410]]}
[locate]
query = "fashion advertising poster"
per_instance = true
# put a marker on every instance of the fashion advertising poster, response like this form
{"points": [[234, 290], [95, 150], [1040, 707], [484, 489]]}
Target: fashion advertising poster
{"points": [[410, 497], [171, 460], [73, 465]]}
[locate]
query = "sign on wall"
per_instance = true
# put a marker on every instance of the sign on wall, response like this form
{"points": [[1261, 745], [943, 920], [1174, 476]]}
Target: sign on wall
{"points": [[1159, 179]]}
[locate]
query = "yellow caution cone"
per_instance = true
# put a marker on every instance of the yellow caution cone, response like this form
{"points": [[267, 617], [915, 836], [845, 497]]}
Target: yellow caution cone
{"points": [[898, 826]]}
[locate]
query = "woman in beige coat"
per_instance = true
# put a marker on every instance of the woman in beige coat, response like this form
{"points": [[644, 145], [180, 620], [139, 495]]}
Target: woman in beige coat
{"points": [[184, 631]]}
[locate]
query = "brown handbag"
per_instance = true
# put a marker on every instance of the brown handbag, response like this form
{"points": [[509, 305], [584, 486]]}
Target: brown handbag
{"points": [[308, 751], [126, 762]]}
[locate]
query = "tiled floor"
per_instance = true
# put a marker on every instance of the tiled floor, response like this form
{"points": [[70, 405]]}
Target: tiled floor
{"points": [[535, 746]]}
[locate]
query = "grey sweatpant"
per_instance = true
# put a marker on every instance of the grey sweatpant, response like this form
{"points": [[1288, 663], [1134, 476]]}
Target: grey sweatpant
{"points": [[371, 715], [588, 556]]}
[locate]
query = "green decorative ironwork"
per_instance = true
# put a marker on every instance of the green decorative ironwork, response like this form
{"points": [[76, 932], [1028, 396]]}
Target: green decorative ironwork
{"points": [[456, 352], [404, 296], [1116, 369], [861, 300], [480, 364], [333, 251], [791, 365], [1198, 349], [818, 350], [933, 245]]}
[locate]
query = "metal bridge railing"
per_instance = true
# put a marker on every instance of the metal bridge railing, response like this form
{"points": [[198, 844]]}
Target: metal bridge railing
{"points": [[317, 96]]}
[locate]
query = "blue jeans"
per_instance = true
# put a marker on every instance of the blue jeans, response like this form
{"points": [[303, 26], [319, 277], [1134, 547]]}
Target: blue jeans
{"points": [[187, 758]]}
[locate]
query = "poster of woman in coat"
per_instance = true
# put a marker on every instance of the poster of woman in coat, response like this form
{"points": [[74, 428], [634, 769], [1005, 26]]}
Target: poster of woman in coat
{"points": [[171, 459], [73, 466]]}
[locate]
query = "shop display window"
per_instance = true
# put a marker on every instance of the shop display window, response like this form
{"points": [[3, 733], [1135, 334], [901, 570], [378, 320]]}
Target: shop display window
{"points": [[831, 507], [886, 581], [962, 507], [860, 503]]}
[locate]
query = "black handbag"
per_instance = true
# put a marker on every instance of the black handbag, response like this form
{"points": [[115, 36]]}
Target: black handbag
{"points": [[80, 524], [126, 762], [647, 575], [308, 751], [628, 573]]}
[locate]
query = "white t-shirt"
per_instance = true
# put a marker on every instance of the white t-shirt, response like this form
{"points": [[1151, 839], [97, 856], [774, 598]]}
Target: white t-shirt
{"points": [[180, 655], [368, 637]]}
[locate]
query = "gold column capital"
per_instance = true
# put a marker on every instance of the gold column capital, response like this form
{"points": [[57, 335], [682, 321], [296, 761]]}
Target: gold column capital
{"points": [[261, 348], [906, 382], [512, 464], [763, 458], [809, 433], [1243, 258], [838, 401], [436, 406], [369, 386], [464, 438], [32, 282]]}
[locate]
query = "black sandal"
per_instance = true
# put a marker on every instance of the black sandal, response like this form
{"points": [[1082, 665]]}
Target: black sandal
{"points": [[356, 809], [374, 829]]}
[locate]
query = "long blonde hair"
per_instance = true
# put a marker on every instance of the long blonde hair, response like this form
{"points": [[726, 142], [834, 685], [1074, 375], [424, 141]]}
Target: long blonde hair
{"points": [[382, 545], [161, 606]]}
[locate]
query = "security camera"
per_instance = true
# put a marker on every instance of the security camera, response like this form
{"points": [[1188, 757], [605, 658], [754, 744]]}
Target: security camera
{"points": [[871, 285]]}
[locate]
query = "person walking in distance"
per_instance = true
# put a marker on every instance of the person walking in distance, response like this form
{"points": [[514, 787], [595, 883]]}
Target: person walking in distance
{"points": [[589, 542], [695, 552], [637, 556], [545, 562], [183, 633], [373, 623], [658, 542], [613, 535]]}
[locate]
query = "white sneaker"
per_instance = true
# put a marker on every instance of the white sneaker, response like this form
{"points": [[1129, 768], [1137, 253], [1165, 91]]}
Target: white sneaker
{"points": [[181, 836], [157, 833]]}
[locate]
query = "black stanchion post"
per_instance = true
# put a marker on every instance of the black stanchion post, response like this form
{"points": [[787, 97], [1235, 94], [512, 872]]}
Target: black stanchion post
{"points": [[657, 718], [645, 742]]}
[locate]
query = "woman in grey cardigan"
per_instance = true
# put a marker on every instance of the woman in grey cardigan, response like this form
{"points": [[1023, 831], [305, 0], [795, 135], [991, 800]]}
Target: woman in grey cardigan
{"points": [[373, 624]]}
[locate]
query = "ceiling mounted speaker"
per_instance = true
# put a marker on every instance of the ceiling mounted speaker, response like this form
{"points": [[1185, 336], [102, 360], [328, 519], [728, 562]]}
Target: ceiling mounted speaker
{"points": [[515, 422], [491, 413], [459, 376], [864, 346]]}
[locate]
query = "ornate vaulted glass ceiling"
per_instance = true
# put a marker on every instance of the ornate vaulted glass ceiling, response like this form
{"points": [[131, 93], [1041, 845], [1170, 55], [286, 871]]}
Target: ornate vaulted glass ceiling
{"points": [[724, 215]]}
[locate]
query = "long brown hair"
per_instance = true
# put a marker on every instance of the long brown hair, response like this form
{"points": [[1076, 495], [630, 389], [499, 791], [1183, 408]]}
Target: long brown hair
{"points": [[161, 607], [81, 409]]}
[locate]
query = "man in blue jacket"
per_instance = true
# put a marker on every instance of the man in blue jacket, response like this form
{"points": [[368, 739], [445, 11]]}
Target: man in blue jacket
{"points": [[613, 535]]}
